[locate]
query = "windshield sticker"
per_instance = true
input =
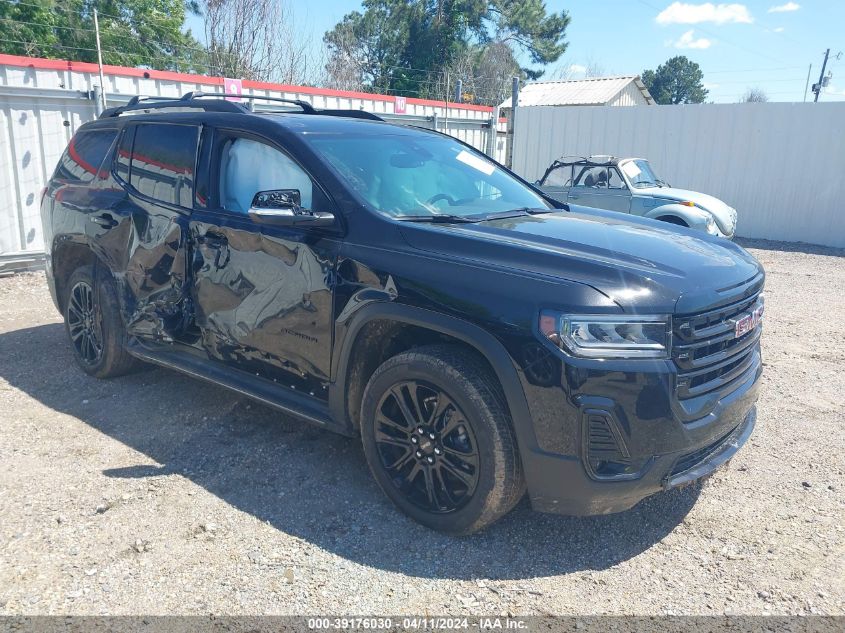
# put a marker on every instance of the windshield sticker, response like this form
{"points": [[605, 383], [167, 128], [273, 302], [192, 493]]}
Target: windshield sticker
{"points": [[475, 162], [631, 170]]}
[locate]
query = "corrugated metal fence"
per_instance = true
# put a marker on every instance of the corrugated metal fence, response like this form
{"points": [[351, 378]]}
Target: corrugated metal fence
{"points": [[43, 102], [780, 165]]}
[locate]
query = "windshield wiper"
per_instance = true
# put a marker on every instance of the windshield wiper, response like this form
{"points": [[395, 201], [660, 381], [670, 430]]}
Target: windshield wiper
{"points": [[438, 218], [517, 212]]}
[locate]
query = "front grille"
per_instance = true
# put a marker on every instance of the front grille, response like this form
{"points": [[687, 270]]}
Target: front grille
{"points": [[693, 459], [706, 352]]}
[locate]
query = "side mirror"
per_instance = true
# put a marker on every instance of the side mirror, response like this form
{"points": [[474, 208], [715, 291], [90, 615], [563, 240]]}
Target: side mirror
{"points": [[281, 207]]}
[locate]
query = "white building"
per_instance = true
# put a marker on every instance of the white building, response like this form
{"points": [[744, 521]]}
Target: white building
{"points": [[627, 90]]}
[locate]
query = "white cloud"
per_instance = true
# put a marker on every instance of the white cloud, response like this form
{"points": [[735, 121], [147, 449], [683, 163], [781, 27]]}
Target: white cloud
{"points": [[779, 29], [708, 86], [684, 13], [577, 69], [784, 8], [688, 40]]}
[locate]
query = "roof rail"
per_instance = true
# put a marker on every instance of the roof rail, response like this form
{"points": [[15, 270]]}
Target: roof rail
{"points": [[218, 103], [307, 108], [188, 100]]}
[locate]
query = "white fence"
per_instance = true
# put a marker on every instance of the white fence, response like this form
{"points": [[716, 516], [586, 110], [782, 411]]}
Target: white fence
{"points": [[43, 102], [781, 165]]}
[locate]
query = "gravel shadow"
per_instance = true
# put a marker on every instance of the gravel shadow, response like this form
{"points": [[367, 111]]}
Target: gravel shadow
{"points": [[308, 482]]}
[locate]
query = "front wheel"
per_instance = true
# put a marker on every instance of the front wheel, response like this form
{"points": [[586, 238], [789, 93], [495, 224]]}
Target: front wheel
{"points": [[438, 438]]}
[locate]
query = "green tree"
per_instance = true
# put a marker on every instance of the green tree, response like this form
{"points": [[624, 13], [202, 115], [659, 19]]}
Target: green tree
{"points": [[678, 80], [406, 46], [145, 33]]}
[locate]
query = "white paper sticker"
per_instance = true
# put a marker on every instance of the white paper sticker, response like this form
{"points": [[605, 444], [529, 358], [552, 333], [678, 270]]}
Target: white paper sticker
{"points": [[631, 170], [475, 162]]}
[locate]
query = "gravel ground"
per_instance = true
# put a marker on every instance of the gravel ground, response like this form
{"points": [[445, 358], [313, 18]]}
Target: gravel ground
{"points": [[158, 494]]}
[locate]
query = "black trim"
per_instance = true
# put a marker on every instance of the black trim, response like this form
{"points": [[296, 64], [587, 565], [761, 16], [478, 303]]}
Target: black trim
{"points": [[498, 358]]}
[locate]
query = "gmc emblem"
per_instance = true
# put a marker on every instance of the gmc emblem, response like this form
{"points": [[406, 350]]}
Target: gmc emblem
{"points": [[748, 322]]}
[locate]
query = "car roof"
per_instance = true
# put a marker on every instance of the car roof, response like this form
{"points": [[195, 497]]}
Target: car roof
{"points": [[293, 122]]}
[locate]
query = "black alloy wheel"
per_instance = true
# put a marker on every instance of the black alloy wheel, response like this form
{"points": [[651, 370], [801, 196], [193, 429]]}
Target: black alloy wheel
{"points": [[85, 323], [427, 447], [439, 440]]}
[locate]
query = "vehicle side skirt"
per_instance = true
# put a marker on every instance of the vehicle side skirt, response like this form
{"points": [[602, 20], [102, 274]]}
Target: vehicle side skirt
{"points": [[187, 360]]}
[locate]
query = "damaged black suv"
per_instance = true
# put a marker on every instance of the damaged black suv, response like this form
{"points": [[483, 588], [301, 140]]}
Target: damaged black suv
{"points": [[395, 285]]}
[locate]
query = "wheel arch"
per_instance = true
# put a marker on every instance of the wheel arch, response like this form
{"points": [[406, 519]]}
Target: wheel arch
{"points": [[347, 389], [67, 256], [679, 214]]}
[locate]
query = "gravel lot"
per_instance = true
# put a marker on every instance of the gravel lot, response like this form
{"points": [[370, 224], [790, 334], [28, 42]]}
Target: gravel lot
{"points": [[157, 494]]}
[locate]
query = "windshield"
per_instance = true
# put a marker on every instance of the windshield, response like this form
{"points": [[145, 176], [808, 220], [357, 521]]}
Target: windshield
{"points": [[640, 174], [413, 175]]}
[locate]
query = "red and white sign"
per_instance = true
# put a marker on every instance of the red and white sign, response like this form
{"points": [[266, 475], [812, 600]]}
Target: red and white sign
{"points": [[399, 105], [233, 87]]}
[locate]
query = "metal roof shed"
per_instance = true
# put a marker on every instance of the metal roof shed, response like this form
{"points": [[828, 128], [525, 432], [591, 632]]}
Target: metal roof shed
{"points": [[626, 90]]}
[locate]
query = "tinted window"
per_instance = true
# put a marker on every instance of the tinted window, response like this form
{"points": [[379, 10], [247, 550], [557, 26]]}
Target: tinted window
{"points": [[163, 159], [124, 151], [84, 155]]}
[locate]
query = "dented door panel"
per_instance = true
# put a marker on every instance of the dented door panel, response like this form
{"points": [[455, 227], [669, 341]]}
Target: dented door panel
{"points": [[263, 298]]}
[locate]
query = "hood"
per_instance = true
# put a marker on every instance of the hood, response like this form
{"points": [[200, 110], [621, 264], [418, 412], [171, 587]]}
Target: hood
{"points": [[724, 215], [637, 263]]}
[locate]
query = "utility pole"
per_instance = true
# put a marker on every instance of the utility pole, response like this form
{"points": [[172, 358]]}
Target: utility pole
{"points": [[100, 63], [807, 85], [459, 91], [512, 122], [817, 88]]}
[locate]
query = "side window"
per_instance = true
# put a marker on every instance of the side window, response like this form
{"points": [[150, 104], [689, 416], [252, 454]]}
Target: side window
{"points": [[163, 161], [595, 177], [559, 177], [247, 167], [614, 180], [124, 153], [84, 155]]}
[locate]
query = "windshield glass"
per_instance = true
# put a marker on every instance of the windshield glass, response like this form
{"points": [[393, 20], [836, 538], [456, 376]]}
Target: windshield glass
{"points": [[640, 174], [424, 175]]}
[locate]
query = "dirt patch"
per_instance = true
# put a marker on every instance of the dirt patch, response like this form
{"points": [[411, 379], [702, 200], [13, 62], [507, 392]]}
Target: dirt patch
{"points": [[157, 494]]}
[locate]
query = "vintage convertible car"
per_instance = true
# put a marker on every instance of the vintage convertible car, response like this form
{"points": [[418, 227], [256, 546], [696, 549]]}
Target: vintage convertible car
{"points": [[629, 185]]}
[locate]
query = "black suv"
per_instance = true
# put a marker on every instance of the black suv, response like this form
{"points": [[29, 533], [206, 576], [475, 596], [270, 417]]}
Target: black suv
{"points": [[396, 285]]}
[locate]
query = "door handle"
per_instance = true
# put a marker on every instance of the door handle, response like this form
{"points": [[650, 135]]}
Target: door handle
{"points": [[104, 219], [219, 244]]}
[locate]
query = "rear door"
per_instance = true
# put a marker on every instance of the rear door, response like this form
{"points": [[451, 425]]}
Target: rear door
{"points": [[145, 226], [263, 293]]}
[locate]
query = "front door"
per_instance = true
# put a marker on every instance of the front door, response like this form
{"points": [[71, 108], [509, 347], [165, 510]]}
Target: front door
{"points": [[262, 294], [600, 187]]}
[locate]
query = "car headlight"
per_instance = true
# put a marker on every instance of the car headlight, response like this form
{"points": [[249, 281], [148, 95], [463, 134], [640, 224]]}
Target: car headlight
{"points": [[606, 336]]}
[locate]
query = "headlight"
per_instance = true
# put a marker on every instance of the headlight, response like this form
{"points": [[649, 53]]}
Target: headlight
{"points": [[604, 336]]}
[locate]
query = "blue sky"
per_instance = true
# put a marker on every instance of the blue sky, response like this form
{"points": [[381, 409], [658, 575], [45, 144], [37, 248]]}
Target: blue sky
{"points": [[761, 43]]}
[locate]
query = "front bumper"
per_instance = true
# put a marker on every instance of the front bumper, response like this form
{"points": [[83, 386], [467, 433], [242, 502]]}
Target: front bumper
{"points": [[688, 450]]}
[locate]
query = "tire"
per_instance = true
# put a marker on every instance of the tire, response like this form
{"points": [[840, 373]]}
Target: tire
{"points": [[464, 452], [94, 325]]}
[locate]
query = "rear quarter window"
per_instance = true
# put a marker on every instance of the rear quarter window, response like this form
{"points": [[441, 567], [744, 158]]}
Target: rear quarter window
{"points": [[84, 155]]}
